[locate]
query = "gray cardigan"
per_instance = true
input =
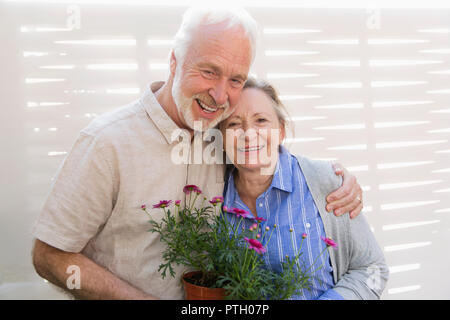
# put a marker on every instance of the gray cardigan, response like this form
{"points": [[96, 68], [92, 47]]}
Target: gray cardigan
{"points": [[359, 267]]}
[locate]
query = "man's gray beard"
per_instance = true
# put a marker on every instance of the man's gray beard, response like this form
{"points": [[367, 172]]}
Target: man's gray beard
{"points": [[184, 107]]}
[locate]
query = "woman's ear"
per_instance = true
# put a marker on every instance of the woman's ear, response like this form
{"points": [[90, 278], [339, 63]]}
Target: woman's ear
{"points": [[173, 63]]}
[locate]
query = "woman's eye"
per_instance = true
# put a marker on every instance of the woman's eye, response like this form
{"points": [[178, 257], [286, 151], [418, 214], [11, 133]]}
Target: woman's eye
{"points": [[261, 120]]}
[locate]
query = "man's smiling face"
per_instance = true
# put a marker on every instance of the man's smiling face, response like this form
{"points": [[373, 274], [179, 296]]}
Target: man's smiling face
{"points": [[209, 78]]}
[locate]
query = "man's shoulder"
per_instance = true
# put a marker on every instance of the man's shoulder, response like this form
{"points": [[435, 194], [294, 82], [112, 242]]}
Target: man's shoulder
{"points": [[109, 121]]}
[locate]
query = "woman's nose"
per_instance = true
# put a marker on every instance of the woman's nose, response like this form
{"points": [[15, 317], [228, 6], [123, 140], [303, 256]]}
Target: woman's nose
{"points": [[246, 126], [249, 132]]}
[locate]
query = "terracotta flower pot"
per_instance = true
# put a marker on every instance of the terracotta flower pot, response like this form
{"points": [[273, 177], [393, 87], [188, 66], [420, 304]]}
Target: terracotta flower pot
{"points": [[194, 292]]}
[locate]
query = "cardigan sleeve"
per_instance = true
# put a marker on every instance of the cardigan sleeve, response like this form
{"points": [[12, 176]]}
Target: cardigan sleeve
{"points": [[367, 272]]}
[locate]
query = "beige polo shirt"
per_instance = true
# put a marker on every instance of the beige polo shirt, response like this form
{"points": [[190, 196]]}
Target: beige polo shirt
{"points": [[119, 162]]}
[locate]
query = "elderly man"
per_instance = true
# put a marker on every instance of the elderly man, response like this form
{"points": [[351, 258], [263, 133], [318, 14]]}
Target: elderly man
{"points": [[91, 224]]}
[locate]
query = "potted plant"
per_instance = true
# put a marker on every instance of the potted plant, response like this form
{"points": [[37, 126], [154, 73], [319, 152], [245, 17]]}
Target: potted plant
{"points": [[222, 259]]}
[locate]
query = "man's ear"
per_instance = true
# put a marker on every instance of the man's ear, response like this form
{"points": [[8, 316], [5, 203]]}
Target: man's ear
{"points": [[173, 63]]}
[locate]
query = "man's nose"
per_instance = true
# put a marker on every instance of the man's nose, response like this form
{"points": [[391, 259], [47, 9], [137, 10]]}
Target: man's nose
{"points": [[219, 92]]}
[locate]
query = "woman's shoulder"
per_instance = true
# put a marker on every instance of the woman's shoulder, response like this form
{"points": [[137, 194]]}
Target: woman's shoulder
{"points": [[314, 166], [319, 173]]}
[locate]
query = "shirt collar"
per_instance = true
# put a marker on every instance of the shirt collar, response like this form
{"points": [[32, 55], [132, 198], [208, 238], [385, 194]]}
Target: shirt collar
{"points": [[156, 112], [283, 175]]}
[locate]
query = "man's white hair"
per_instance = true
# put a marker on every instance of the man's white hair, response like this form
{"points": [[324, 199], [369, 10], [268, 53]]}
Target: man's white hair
{"points": [[196, 16]]}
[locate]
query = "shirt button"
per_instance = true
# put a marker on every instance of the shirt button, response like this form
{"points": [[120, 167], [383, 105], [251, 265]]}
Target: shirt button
{"points": [[260, 205], [308, 225]]}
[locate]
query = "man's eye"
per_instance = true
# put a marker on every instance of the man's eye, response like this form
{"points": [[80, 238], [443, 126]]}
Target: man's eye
{"points": [[208, 73], [237, 83]]}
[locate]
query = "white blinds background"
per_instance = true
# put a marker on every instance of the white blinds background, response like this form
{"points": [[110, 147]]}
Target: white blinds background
{"points": [[368, 88]]}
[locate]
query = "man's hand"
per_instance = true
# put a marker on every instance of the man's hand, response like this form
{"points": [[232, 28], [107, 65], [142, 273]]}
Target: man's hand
{"points": [[348, 198]]}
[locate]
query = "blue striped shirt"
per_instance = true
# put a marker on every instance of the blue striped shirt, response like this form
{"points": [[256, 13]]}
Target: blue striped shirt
{"points": [[288, 204]]}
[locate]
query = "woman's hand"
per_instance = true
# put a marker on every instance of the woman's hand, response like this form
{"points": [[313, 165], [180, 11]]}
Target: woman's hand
{"points": [[348, 198]]}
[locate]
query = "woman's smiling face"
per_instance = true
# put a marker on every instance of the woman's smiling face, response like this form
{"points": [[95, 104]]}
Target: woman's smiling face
{"points": [[253, 132]]}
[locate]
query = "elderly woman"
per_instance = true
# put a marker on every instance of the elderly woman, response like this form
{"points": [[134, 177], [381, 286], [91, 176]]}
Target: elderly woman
{"points": [[289, 192]]}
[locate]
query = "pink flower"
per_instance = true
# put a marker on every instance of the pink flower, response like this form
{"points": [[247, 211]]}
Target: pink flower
{"points": [[177, 202], [241, 213], [225, 209], [254, 226], [143, 207], [162, 204], [216, 200], [259, 219], [304, 235], [255, 245], [191, 188], [329, 242]]}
